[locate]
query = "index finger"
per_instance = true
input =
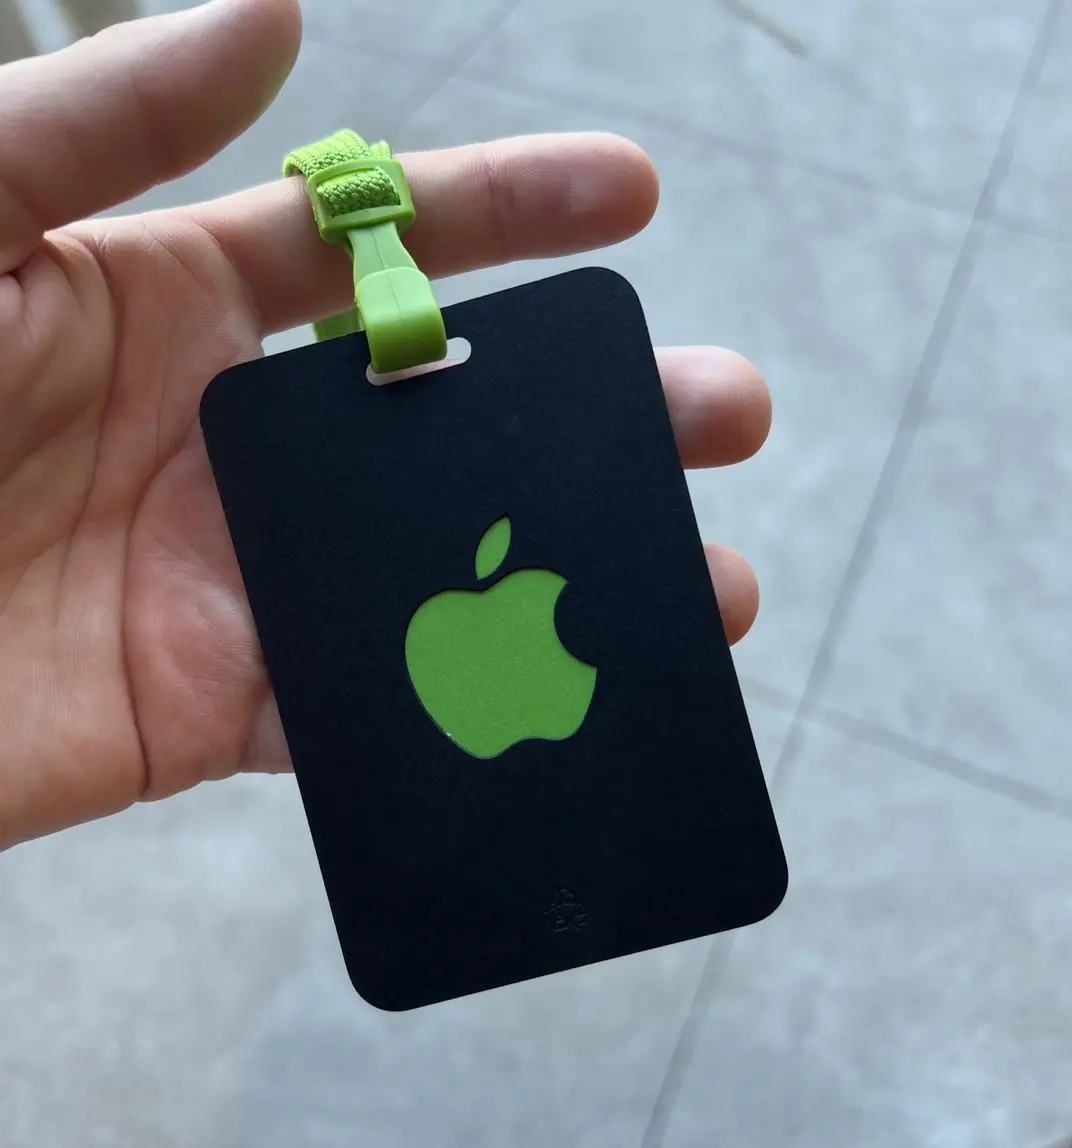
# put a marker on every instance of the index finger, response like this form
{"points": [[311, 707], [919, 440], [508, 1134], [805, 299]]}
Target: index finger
{"points": [[522, 198]]}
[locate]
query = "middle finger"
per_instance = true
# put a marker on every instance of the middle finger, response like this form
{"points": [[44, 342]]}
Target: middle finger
{"points": [[719, 404]]}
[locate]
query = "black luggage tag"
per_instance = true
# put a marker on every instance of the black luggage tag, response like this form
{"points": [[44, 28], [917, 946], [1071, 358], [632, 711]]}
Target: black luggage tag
{"points": [[489, 624]]}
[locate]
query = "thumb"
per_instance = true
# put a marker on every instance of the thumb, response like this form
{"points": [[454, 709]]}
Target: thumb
{"points": [[137, 105]]}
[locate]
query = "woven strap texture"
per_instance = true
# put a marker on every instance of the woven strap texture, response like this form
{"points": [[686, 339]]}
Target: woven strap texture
{"points": [[344, 193]]}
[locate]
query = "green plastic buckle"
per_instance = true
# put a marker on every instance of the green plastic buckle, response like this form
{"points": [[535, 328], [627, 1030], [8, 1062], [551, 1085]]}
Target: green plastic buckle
{"points": [[394, 300], [333, 228]]}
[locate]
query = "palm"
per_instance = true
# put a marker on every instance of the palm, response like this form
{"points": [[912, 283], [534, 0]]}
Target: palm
{"points": [[199, 688], [153, 677], [129, 665]]}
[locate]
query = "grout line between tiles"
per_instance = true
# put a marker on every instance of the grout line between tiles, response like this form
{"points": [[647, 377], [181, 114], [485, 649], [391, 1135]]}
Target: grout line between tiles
{"points": [[941, 760], [769, 27], [1001, 222], [913, 750], [915, 404], [680, 1059], [767, 694]]}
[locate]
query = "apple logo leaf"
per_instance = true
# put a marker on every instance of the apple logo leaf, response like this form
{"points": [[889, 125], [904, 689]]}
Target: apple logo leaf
{"points": [[492, 549]]}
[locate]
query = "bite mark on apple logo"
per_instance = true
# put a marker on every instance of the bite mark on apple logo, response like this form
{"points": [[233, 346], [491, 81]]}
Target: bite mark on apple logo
{"points": [[488, 665]]}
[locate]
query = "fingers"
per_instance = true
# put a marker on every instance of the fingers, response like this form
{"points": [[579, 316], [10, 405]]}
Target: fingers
{"points": [[719, 405], [476, 205], [487, 203], [721, 412], [735, 588], [144, 102]]}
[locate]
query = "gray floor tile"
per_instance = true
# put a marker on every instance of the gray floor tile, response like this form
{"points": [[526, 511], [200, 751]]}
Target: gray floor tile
{"points": [[428, 28], [912, 95], [1035, 193], [136, 953], [912, 989], [574, 1059], [831, 291], [961, 633]]}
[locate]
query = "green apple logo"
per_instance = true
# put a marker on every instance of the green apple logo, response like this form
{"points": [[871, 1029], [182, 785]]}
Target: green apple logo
{"points": [[488, 665]]}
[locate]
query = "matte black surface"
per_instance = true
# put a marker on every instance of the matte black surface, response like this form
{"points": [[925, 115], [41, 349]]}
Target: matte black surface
{"points": [[350, 505]]}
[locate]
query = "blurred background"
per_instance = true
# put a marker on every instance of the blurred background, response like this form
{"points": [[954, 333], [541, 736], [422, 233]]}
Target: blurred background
{"points": [[873, 202]]}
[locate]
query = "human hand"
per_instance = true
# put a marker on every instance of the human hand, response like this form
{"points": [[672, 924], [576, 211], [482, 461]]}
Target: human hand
{"points": [[129, 664]]}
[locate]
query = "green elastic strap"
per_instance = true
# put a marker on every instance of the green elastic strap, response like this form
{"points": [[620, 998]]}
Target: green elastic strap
{"points": [[361, 200]]}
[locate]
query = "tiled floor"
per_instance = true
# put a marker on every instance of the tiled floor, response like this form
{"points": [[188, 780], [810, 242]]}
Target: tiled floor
{"points": [[874, 202]]}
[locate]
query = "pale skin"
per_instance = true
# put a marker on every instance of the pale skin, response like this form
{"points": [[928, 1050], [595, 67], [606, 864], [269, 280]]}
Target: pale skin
{"points": [[129, 664]]}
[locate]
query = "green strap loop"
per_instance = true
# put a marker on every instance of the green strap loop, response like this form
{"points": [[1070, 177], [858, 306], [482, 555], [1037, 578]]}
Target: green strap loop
{"points": [[361, 200]]}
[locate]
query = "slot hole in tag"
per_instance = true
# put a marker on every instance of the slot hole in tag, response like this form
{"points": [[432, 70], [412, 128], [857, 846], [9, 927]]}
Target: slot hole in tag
{"points": [[458, 352]]}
